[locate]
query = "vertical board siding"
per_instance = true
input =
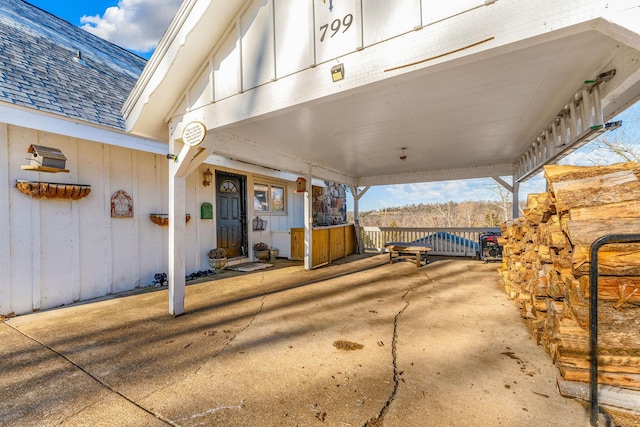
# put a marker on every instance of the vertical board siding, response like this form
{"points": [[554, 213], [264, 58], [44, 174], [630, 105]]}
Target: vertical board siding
{"points": [[91, 226], [388, 19], [226, 68], [200, 92], [205, 228], [123, 242], [22, 212], [61, 251], [293, 36], [276, 38], [258, 56], [5, 232], [436, 10]]}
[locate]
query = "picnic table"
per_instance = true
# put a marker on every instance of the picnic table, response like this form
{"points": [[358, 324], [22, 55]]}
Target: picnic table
{"points": [[407, 250]]}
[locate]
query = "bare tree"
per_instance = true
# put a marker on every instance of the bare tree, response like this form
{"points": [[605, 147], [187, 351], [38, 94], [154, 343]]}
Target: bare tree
{"points": [[502, 200], [623, 143], [448, 213], [468, 211], [617, 144]]}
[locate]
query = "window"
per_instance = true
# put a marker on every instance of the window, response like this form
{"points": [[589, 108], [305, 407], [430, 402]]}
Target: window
{"points": [[277, 199], [268, 198], [228, 187]]}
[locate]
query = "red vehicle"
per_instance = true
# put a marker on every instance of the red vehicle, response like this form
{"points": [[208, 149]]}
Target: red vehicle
{"points": [[489, 249]]}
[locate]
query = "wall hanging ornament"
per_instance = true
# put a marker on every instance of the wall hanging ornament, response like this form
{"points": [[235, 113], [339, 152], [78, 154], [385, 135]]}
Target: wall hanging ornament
{"points": [[121, 205]]}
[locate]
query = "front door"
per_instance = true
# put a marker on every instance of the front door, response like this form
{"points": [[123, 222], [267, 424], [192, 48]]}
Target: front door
{"points": [[230, 214]]}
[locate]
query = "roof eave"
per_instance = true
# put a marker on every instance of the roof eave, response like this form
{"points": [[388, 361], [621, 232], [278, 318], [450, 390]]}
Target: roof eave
{"points": [[175, 61]]}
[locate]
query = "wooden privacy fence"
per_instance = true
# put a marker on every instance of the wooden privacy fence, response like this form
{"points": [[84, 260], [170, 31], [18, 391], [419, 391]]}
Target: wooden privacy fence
{"points": [[329, 243], [444, 241]]}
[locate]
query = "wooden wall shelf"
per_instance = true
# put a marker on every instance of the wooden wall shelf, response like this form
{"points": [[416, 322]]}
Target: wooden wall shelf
{"points": [[42, 169], [52, 190]]}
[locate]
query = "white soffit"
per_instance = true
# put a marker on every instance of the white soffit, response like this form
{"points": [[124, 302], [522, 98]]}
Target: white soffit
{"points": [[465, 97]]}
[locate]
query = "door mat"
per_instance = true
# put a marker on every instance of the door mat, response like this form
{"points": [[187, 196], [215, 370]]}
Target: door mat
{"points": [[249, 266]]}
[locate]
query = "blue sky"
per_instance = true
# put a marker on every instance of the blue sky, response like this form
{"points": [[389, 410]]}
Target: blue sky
{"points": [[138, 25]]}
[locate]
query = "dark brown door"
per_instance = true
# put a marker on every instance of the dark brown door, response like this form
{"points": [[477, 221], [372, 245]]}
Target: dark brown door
{"points": [[230, 214]]}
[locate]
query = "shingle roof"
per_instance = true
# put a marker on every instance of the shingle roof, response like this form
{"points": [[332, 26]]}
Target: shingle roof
{"points": [[38, 69]]}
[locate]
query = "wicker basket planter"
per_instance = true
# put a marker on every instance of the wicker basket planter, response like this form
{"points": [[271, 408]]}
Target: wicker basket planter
{"points": [[51, 190], [163, 219]]}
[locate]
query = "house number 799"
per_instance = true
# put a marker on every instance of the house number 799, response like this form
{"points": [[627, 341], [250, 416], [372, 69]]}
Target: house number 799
{"points": [[336, 24]]}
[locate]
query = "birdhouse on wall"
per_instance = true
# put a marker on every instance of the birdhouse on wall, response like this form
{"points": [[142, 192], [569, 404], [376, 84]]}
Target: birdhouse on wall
{"points": [[46, 159], [301, 185]]}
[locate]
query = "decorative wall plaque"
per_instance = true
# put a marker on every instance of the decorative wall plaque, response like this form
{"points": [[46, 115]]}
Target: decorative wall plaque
{"points": [[194, 133], [121, 205]]}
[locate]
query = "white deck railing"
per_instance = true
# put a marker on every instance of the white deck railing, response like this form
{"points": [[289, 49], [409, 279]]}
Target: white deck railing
{"points": [[444, 241]]}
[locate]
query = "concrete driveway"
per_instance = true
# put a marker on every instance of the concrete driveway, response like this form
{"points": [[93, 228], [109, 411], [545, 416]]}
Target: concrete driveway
{"points": [[357, 343]]}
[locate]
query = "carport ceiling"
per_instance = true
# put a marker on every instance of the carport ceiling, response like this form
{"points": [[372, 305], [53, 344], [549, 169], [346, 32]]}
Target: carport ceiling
{"points": [[457, 115]]}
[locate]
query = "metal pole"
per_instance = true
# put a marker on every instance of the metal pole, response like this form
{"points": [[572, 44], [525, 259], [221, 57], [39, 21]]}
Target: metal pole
{"points": [[593, 315]]}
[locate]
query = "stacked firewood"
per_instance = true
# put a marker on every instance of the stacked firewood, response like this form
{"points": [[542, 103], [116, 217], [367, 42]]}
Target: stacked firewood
{"points": [[546, 265]]}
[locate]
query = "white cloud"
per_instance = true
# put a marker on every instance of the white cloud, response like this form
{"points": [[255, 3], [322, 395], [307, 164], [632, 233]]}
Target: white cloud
{"points": [[133, 24], [440, 192]]}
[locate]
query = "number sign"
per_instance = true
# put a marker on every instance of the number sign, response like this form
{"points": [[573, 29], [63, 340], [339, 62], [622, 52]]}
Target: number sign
{"points": [[338, 29]]}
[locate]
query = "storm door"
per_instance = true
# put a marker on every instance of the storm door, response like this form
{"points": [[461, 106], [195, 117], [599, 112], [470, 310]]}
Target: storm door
{"points": [[231, 214]]}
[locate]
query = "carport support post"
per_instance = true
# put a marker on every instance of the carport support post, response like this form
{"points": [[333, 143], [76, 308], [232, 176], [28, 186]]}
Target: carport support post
{"points": [[357, 194], [308, 223], [177, 222], [515, 198], [514, 190], [180, 166]]}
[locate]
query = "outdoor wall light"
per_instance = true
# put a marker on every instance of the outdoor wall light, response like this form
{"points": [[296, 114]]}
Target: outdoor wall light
{"points": [[259, 224], [403, 156], [337, 72], [207, 177], [172, 157]]}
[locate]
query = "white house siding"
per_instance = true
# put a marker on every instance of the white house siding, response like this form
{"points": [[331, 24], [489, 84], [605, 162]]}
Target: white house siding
{"points": [[62, 251], [277, 231], [5, 236], [55, 251]]}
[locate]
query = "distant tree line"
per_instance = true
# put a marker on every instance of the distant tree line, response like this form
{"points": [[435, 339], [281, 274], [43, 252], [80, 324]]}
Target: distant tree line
{"points": [[450, 214]]}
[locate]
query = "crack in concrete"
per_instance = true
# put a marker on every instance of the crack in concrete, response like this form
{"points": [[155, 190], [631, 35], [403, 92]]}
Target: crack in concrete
{"points": [[253, 318], [212, 411], [130, 400], [95, 378], [224, 347], [377, 420]]}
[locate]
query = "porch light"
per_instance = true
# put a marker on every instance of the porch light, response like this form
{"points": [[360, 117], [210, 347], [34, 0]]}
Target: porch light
{"points": [[337, 72], [259, 224], [207, 177]]}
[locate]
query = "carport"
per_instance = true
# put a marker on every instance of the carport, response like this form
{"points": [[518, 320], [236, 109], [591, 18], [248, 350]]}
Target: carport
{"points": [[371, 94]]}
